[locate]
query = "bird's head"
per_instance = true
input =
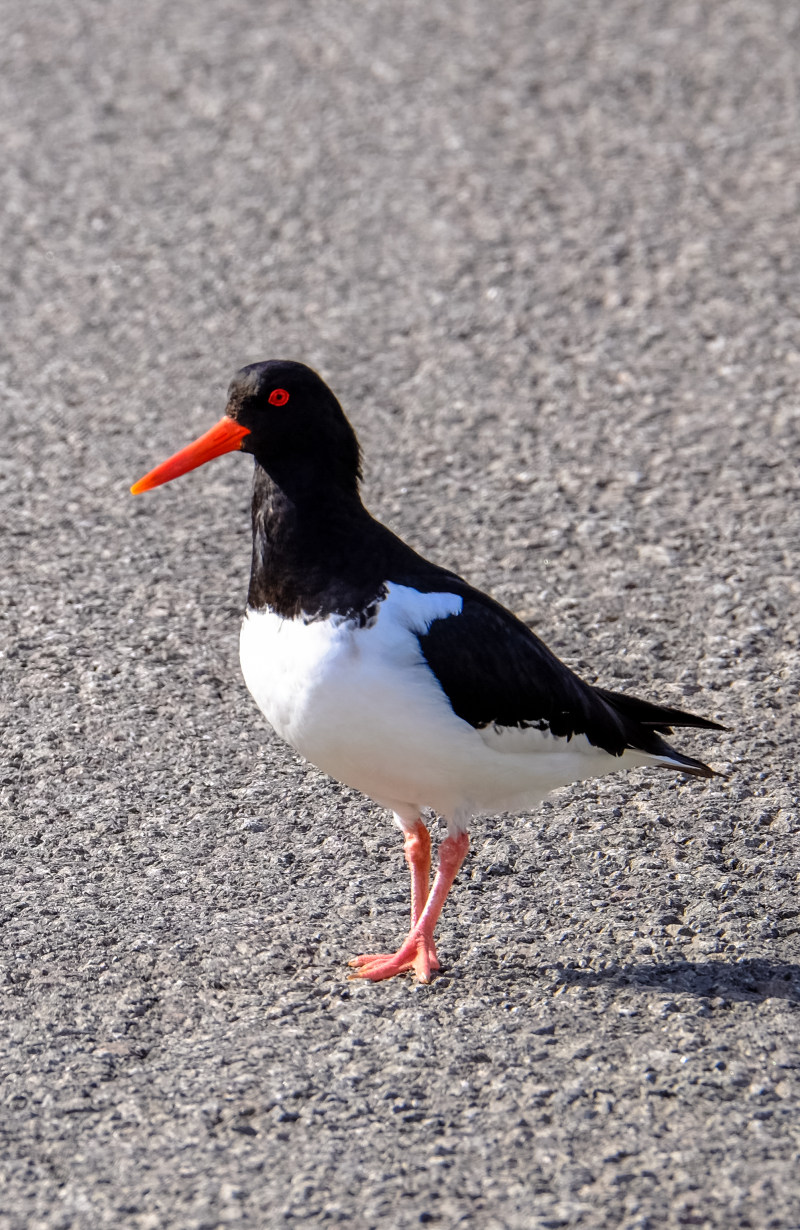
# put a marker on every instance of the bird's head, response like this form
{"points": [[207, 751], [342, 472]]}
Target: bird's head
{"points": [[286, 416]]}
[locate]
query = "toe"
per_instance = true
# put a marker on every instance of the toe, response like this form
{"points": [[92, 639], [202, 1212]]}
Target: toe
{"points": [[366, 957], [379, 965], [426, 961]]}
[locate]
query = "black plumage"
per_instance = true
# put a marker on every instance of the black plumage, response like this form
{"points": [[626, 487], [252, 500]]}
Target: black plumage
{"points": [[317, 552]]}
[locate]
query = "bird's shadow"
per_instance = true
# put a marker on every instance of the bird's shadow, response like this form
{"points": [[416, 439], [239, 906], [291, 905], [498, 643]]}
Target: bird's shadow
{"points": [[748, 981]]}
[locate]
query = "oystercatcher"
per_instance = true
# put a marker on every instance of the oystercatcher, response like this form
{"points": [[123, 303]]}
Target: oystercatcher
{"points": [[393, 674]]}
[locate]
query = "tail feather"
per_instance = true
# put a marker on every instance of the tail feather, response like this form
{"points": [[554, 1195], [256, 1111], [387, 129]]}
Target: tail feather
{"points": [[652, 722], [656, 717], [684, 764]]}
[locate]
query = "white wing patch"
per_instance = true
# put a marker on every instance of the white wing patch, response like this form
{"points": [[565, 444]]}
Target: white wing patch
{"points": [[418, 611]]}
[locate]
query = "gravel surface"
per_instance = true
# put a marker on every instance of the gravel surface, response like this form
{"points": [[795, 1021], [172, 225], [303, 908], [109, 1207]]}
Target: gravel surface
{"points": [[547, 254]]}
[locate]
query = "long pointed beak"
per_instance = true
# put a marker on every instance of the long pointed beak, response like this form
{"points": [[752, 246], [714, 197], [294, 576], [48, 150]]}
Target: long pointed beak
{"points": [[224, 437]]}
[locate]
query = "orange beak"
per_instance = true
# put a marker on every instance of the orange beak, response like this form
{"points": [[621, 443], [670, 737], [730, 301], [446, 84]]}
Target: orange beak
{"points": [[224, 437]]}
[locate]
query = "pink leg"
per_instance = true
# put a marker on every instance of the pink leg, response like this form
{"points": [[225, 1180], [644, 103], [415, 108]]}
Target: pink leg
{"points": [[417, 850], [418, 951]]}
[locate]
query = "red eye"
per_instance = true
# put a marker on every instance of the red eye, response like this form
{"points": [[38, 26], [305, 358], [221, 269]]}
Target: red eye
{"points": [[278, 397]]}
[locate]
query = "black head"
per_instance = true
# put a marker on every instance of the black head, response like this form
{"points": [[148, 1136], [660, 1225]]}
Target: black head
{"points": [[296, 427], [287, 417]]}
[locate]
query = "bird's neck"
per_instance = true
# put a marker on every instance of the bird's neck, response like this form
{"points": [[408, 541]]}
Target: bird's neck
{"points": [[310, 539]]}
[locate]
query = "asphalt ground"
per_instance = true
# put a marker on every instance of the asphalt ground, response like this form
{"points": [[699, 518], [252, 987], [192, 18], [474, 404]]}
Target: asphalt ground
{"points": [[547, 254]]}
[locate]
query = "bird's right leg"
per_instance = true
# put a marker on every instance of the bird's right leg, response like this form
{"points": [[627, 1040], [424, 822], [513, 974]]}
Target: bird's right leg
{"points": [[417, 849]]}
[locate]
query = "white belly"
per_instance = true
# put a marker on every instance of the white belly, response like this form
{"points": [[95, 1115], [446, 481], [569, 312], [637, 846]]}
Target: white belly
{"points": [[362, 704]]}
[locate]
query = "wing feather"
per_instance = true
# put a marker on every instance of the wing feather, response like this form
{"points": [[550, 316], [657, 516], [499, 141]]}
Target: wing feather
{"points": [[496, 671]]}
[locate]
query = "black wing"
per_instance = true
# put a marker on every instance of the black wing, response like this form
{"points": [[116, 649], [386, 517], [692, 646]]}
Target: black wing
{"points": [[494, 670]]}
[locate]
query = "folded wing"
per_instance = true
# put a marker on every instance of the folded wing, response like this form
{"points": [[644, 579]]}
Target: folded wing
{"points": [[495, 671]]}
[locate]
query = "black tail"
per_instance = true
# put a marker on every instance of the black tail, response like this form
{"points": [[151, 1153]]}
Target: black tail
{"points": [[659, 720], [656, 717]]}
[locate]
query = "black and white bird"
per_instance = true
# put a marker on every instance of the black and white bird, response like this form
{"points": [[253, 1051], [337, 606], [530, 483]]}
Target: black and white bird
{"points": [[391, 673]]}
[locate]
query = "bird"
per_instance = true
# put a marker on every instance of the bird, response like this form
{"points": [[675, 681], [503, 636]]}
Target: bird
{"points": [[391, 673]]}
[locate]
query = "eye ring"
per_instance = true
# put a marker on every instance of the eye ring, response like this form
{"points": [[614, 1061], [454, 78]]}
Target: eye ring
{"points": [[278, 397]]}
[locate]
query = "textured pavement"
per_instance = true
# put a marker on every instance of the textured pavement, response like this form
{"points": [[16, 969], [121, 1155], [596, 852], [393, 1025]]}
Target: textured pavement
{"points": [[547, 254]]}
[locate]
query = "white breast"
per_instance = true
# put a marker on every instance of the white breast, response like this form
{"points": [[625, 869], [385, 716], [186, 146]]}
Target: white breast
{"points": [[359, 702]]}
